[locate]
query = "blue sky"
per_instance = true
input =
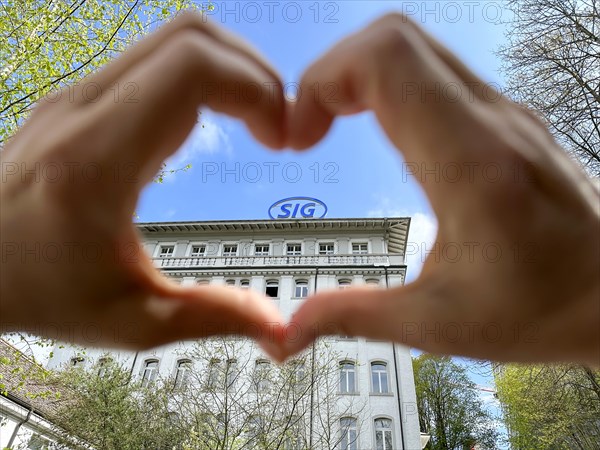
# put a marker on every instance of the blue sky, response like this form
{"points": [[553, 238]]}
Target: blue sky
{"points": [[354, 170]]}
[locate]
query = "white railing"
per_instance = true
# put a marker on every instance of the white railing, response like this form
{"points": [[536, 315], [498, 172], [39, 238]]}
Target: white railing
{"points": [[261, 261]]}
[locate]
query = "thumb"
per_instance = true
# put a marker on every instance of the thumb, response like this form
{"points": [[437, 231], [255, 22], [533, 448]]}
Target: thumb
{"points": [[381, 314]]}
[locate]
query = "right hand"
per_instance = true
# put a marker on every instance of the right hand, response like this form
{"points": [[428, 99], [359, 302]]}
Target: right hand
{"points": [[531, 290]]}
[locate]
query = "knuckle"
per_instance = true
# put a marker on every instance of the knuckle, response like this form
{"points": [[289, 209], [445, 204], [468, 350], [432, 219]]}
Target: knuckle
{"points": [[394, 40]]}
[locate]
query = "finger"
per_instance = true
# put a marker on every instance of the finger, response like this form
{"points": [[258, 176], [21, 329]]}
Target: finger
{"points": [[186, 21], [391, 69], [178, 313], [372, 313], [189, 71]]}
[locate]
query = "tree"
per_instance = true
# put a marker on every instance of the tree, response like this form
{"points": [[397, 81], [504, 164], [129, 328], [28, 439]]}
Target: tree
{"points": [[101, 407], [449, 407], [45, 45], [555, 407], [222, 396], [239, 401], [552, 61]]}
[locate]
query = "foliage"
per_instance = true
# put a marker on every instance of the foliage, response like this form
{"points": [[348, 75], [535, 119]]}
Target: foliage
{"points": [[449, 407], [102, 408], [45, 45], [554, 407], [552, 60], [219, 400]]}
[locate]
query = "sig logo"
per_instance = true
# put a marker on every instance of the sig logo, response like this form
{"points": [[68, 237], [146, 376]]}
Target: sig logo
{"points": [[298, 208]]}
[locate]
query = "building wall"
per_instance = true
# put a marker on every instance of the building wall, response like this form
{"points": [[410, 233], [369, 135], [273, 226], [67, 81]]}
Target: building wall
{"points": [[324, 273]]}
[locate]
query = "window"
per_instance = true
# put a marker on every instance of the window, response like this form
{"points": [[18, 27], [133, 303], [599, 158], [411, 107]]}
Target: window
{"points": [[150, 371], [344, 284], [300, 372], [255, 429], [230, 250], [36, 442], [294, 250], [214, 373], [198, 251], [77, 361], [166, 251], [230, 282], [261, 375], [182, 373], [372, 282], [326, 248], [361, 248], [261, 250], [232, 373], [245, 284], [272, 289], [202, 281], [347, 377], [301, 290], [379, 378], [383, 434], [103, 364], [348, 438]]}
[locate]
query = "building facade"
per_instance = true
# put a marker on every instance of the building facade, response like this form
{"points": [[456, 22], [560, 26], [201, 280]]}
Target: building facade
{"points": [[288, 260]]}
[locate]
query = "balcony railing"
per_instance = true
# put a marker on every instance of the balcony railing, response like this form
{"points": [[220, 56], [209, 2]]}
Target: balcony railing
{"points": [[263, 261]]}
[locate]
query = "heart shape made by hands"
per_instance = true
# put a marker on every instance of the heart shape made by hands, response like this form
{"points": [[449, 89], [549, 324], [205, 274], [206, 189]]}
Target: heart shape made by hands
{"points": [[501, 207]]}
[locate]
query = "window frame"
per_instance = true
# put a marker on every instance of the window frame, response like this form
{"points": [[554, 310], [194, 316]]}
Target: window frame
{"points": [[344, 283], [301, 283], [190, 253], [262, 254], [353, 243], [77, 361], [346, 382], [287, 248], [385, 431], [146, 381], [345, 433], [272, 282], [333, 251], [262, 367], [161, 246], [226, 254], [180, 381], [379, 372]]}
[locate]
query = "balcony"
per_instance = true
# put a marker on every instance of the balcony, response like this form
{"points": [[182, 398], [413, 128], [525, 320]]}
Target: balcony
{"points": [[268, 261]]}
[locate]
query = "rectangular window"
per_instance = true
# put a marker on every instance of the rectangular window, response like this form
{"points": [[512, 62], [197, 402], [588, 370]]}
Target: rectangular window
{"points": [[379, 378], [301, 290], [261, 250], [272, 289], [230, 250], [326, 248], [150, 372], [383, 434], [294, 250], [166, 251], [348, 434], [347, 378], [360, 248], [198, 251]]}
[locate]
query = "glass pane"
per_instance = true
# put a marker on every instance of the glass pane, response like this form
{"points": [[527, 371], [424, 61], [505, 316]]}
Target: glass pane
{"points": [[384, 383], [379, 440], [375, 377], [388, 440]]}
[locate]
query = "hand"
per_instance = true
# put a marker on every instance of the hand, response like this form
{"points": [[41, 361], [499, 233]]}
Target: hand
{"points": [[72, 267], [529, 289]]}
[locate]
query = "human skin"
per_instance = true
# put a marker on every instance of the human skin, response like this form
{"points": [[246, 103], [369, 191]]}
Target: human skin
{"points": [[542, 293], [536, 297]]}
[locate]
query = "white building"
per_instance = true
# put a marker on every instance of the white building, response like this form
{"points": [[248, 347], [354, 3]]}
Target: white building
{"points": [[289, 260]]}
